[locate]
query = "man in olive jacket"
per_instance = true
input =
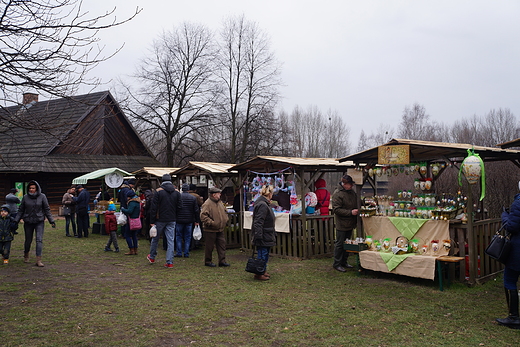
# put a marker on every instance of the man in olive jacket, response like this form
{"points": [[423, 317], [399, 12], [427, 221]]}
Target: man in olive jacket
{"points": [[214, 218], [344, 207]]}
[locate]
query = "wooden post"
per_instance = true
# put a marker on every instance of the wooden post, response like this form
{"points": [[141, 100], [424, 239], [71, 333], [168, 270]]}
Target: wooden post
{"points": [[472, 246]]}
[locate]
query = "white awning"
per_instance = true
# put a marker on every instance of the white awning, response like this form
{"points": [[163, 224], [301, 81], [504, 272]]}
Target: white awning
{"points": [[98, 174]]}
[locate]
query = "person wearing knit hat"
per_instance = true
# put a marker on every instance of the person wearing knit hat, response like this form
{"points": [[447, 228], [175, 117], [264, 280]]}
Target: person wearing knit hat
{"points": [[166, 203], [7, 232], [132, 211], [12, 201], [111, 227]]}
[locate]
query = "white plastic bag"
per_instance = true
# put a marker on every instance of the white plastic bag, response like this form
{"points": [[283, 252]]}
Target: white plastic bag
{"points": [[121, 219], [153, 231], [197, 234]]}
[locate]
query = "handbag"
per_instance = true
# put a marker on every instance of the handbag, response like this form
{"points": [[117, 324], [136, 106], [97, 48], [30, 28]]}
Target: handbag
{"points": [[135, 223], [197, 234], [66, 210], [255, 265], [499, 246]]}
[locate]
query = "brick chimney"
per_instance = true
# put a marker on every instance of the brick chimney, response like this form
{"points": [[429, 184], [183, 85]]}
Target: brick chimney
{"points": [[29, 97]]}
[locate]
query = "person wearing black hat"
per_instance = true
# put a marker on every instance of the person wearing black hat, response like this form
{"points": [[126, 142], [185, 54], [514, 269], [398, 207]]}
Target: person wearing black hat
{"points": [[166, 204], [82, 217], [12, 201], [214, 218], [344, 208]]}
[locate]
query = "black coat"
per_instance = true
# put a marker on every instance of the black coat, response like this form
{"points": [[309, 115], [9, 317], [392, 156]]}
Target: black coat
{"points": [[190, 211], [166, 204], [262, 229]]}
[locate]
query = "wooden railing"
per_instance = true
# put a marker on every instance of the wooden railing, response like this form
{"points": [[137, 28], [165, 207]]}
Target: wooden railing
{"points": [[312, 240], [478, 265]]}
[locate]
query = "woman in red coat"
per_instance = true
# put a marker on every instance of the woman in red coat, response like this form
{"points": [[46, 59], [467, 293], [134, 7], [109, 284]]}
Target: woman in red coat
{"points": [[323, 196]]}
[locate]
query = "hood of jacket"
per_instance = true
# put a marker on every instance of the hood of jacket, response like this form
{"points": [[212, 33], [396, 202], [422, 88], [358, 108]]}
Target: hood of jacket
{"points": [[168, 186], [38, 190], [320, 183]]}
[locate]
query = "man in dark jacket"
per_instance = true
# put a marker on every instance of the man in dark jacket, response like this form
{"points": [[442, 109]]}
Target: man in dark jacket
{"points": [[82, 201], [188, 215], [33, 210], [166, 204], [344, 207]]}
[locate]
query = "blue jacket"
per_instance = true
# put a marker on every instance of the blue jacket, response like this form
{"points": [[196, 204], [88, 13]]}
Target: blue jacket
{"points": [[82, 200], [511, 222]]}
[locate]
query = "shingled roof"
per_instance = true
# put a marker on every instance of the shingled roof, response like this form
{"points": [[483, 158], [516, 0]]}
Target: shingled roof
{"points": [[77, 134]]}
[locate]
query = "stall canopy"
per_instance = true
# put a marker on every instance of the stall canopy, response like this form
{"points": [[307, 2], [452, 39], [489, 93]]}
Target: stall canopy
{"points": [[218, 172], [147, 172], [83, 179], [429, 150]]}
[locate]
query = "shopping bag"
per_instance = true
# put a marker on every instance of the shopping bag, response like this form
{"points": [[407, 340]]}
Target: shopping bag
{"points": [[499, 246], [121, 219], [197, 234], [255, 265], [153, 231], [135, 223]]}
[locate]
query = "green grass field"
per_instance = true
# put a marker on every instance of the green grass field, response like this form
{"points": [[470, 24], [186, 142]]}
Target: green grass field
{"points": [[87, 297]]}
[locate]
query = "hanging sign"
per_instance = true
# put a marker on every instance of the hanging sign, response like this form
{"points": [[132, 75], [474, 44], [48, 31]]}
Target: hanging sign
{"points": [[399, 154], [114, 180]]}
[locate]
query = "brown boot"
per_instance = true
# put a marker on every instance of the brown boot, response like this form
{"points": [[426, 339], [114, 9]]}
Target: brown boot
{"points": [[130, 252], [135, 251], [39, 262], [26, 257], [261, 277]]}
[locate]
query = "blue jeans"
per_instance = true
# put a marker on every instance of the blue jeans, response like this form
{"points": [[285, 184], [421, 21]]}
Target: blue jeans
{"points": [[131, 238], [168, 228], [183, 234], [510, 278], [263, 253], [68, 220]]}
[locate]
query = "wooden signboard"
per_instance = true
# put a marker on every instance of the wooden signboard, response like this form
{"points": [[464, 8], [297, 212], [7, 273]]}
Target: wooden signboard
{"points": [[393, 155]]}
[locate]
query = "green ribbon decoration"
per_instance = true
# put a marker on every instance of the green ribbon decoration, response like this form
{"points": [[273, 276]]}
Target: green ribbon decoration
{"points": [[471, 152]]}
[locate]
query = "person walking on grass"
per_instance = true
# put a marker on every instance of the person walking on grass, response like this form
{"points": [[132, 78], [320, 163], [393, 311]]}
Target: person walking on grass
{"points": [[133, 211], [166, 204], [111, 227], [33, 209], [214, 218], [7, 230], [262, 229]]}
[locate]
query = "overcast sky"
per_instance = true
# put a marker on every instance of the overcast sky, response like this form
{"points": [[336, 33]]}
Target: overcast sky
{"points": [[365, 59]]}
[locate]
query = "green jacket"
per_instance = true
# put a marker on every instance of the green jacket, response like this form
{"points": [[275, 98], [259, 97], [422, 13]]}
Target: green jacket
{"points": [[343, 202]]}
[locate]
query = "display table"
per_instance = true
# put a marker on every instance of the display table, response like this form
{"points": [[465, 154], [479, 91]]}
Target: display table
{"points": [[281, 223], [421, 266]]}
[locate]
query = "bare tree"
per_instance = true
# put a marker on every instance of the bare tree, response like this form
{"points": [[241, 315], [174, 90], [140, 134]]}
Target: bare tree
{"points": [[173, 105], [48, 46], [250, 75], [383, 134]]}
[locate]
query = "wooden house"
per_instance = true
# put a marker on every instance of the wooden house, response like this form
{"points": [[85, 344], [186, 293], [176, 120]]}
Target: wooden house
{"points": [[56, 140]]}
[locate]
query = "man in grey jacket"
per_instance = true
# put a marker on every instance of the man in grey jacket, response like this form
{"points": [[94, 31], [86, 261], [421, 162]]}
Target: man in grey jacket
{"points": [[344, 207]]}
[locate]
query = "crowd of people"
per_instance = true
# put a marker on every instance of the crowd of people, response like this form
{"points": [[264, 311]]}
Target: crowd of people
{"points": [[174, 213]]}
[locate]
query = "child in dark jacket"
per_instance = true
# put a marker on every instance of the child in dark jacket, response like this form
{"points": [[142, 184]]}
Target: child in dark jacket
{"points": [[7, 232], [111, 227]]}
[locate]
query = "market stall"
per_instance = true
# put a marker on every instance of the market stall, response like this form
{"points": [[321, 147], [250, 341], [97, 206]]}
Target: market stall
{"points": [[421, 203], [205, 175], [152, 175], [310, 234]]}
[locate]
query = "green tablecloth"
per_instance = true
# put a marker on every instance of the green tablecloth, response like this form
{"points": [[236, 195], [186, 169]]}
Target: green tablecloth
{"points": [[408, 227], [393, 260]]}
